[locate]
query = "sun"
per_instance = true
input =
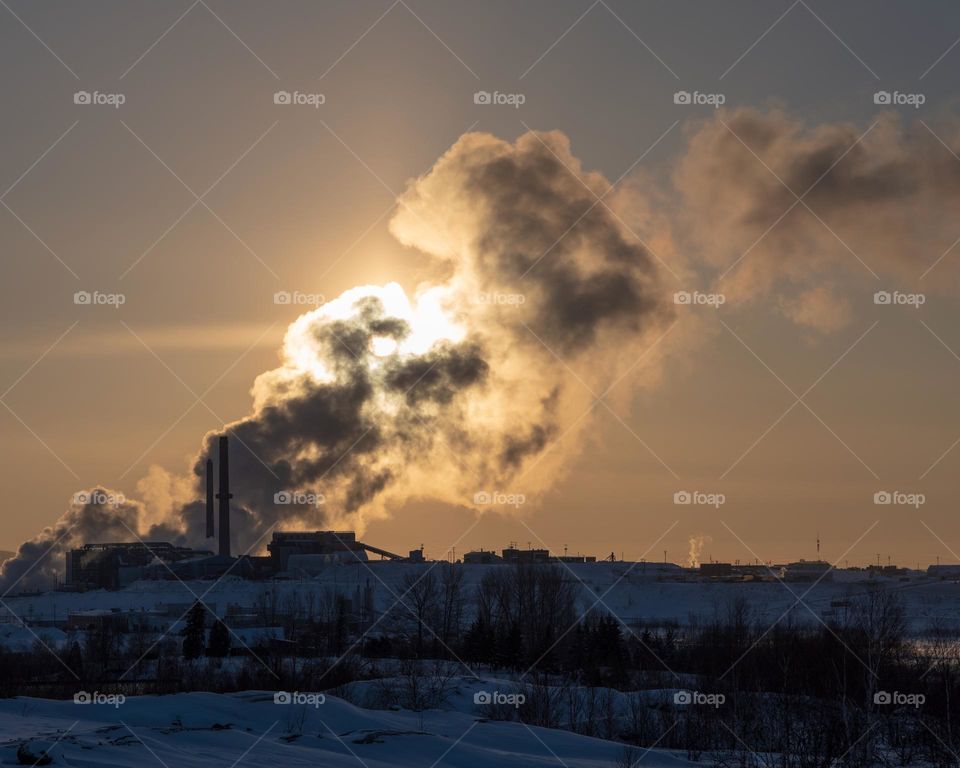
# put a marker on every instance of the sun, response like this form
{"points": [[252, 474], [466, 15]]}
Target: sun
{"points": [[426, 317]]}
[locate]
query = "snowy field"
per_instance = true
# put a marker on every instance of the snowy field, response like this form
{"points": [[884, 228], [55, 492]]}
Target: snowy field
{"points": [[204, 730], [631, 591]]}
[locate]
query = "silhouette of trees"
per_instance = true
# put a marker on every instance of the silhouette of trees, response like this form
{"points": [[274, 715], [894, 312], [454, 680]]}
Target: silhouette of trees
{"points": [[194, 632], [218, 643]]}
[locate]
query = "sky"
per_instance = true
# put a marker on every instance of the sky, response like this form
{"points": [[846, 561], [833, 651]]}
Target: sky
{"points": [[781, 412]]}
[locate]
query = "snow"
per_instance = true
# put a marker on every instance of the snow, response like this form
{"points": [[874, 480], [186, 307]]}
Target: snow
{"points": [[204, 729], [634, 592], [16, 637]]}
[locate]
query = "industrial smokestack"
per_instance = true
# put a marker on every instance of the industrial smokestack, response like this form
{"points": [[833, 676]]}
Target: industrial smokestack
{"points": [[209, 498], [224, 496]]}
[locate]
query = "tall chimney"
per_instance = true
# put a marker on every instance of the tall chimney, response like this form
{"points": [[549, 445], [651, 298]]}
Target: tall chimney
{"points": [[224, 496], [209, 498]]}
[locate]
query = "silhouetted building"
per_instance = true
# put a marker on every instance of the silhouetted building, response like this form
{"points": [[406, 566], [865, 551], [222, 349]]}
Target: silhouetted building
{"points": [[209, 508], [114, 565], [513, 555], [224, 497], [808, 570], [716, 570], [481, 557]]}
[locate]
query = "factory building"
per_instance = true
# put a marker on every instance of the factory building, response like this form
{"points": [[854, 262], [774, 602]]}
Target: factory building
{"points": [[305, 552], [114, 565], [808, 570], [481, 557], [514, 555]]}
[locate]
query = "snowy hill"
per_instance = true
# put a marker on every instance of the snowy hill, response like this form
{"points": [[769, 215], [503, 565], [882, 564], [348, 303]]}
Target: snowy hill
{"points": [[202, 729]]}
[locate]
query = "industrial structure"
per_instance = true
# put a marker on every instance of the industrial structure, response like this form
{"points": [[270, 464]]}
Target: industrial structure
{"points": [[114, 565], [306, 550]]}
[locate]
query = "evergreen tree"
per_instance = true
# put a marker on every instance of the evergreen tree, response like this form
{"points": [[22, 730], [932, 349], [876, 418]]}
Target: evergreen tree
{"points": [[509, 648], [74, 660], [193, 634], [478, 642], [218, 644]]}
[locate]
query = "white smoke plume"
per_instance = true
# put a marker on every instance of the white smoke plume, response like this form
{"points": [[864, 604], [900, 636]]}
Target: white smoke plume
{"points": [[696, 545]]}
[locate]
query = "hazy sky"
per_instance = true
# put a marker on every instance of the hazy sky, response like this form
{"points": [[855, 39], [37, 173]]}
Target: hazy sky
{"points": [[297, 198]]}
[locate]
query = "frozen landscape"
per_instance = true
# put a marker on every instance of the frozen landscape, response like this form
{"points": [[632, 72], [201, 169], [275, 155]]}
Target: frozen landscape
{"points": [[634, 592], [203, 730]]}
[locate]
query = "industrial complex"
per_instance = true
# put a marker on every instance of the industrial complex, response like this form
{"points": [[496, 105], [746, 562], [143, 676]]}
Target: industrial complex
{"points": [[299, 554]]}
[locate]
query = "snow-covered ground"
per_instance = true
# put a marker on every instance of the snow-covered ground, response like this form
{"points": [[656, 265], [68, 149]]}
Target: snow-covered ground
{"points": [[248, 729], [632, 591]]}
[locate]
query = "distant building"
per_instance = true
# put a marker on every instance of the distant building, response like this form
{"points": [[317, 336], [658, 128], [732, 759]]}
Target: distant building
{"points": [[415, 556], [513, 555], [808, 570], [481, 557], [115, 565], [716, 570], [306, 552], [324, 546], [944, 571]]}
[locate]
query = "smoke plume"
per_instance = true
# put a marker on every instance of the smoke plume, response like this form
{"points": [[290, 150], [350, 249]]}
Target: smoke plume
{"points": [[696, 545], [483, 377], [878, 201], [450, 393]]}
